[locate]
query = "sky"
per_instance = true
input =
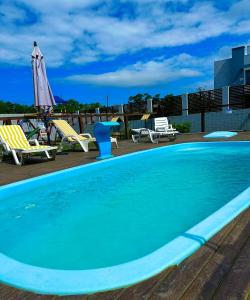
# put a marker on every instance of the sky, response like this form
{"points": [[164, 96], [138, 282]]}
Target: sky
{"points": [[117, 48]]}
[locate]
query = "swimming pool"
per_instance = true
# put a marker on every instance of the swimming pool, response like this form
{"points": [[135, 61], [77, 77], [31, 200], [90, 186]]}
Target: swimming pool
{"points": [[114, 223]]}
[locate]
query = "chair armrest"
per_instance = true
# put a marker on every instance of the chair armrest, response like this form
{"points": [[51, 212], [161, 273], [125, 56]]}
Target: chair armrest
{"points": [[161, 129], [88, 135], [170, 126], [5, 145], [35, 141], [70, 136], [144, 131]]}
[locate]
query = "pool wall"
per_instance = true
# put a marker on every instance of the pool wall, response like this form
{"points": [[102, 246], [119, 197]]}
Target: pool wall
{"points": [[67, 282]]}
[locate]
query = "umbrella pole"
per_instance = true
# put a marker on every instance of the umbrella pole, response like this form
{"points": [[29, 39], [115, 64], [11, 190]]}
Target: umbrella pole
{"points": [[43, 115], [46, 123]]}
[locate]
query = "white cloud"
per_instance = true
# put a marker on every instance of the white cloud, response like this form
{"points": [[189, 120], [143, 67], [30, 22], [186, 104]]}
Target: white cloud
{"points": [[83, 31], [151, 73]]}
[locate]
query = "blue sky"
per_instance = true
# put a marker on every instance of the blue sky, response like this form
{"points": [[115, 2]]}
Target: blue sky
{"points": [[95, 48]]}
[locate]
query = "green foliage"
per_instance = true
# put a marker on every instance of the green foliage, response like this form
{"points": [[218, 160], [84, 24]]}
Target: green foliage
{"points": [[73, 106], [137, 99], [7, 107], [89, 107], [182, 127], [168, 102], [141, 98], [200, 89]]}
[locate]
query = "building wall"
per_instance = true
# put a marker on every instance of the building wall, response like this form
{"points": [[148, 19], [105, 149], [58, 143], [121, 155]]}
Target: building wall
{"points": [[230, 71], [247, 61], [237, 120], [237, 66], [222, 73], [214, 121]]}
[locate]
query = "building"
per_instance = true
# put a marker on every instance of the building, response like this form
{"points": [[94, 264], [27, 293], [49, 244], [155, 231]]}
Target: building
{"points": [[234, 70]]}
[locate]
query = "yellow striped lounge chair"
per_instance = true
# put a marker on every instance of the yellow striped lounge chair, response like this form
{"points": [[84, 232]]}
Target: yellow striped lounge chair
{"points": [[13, 140], [71, 136]]}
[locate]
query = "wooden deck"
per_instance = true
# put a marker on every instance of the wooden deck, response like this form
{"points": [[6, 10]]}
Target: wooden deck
{"points": [[218, 270]]}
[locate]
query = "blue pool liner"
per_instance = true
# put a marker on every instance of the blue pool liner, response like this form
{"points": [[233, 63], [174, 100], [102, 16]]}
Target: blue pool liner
{"points": [[220, 134], [73, 282]]}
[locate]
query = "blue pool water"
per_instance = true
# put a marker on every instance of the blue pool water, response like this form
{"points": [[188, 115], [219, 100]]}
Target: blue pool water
{"points": [[111, 213]]}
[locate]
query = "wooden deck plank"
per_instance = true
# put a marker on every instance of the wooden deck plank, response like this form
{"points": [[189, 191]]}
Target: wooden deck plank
{"points": [[237, 284], [144, 289], [221, 262], [30, 296], [106, 295], [179, 280], [9, 293], [76, 297]]}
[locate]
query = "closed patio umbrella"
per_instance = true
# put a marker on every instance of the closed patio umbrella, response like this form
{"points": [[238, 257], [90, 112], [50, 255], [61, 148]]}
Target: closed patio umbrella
{"points": [[43, 97]]}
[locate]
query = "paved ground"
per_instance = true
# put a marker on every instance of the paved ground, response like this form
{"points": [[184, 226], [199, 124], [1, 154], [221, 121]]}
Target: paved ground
{"points": [[218, 270]]}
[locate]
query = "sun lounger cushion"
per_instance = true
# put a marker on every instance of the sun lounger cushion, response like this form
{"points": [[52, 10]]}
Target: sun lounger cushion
{"points": [[67, 130], [16, 139]]}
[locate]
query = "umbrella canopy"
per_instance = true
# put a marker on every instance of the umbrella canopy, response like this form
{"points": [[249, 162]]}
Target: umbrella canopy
{"points": [[44, 99]]}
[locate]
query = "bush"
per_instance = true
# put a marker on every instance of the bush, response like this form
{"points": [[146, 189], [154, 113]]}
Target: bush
{"points": [[183, 127]]}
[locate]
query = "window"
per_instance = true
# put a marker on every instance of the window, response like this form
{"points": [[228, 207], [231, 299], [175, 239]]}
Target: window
{"points": [[247, 76]]}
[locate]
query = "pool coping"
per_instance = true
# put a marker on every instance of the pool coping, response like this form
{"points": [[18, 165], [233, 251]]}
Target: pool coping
{"points": [[67, 282]]}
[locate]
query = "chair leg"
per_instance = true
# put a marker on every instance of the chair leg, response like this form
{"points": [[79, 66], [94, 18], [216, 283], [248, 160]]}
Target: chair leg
{"points": [[154, 141], [1, 154], [116, 143], [135, 138], [172, 138], [17, 161], [84, 145], [51, 156], [48, 155]]}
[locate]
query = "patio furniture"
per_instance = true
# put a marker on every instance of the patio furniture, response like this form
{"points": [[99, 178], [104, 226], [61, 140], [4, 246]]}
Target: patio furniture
{"points": [[145, 132], [162, 125], [14, 141], [70, 136], [162, 128]]}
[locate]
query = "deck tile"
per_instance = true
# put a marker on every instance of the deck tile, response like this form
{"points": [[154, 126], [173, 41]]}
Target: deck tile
{"points": [[220, 264], [179, 280], [237, 284]]}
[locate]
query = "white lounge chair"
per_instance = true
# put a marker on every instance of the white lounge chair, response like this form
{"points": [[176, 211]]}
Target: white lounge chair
{"points": [[162, 128], [14, 141], [141, 133]]}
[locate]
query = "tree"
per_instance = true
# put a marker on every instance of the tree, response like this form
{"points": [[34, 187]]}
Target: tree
{"points": [[7, 107], [139, 98], [167, 105], [72, 106]]}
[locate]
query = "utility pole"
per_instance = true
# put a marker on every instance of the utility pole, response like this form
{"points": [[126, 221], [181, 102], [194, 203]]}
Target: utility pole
{"points": [[107, 107]]}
